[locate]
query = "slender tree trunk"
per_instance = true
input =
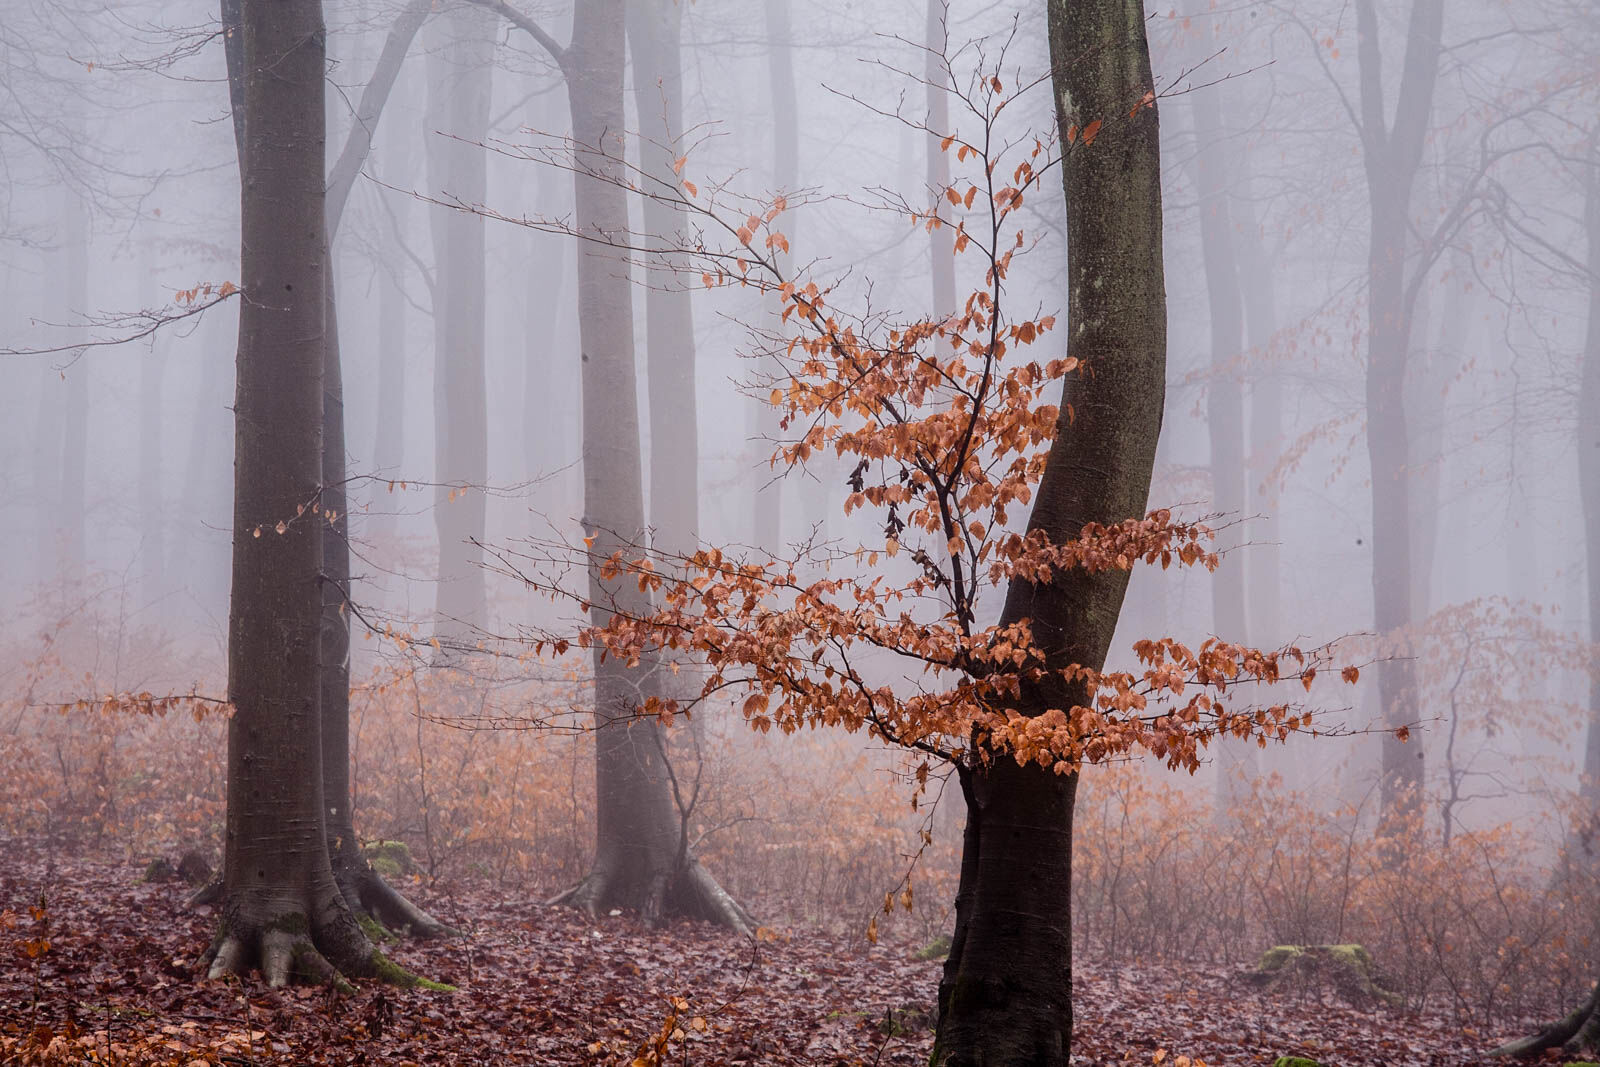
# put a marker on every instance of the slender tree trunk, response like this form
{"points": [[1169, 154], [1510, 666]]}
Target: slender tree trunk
{"points": [[152, 508], [73, 433], [1579, 1031], [458, 120], [654, 36], [281, 905], [1006, 994], [1236, 760], [942, 241], [641, 860], [1392, 156], [767, 531], [364, 890]]}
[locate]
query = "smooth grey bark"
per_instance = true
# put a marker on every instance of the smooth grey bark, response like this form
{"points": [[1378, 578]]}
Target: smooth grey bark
{"points": [[942, 241], [152, 508], [642, 859], [459, 81], [281, 906], [1579, 1030], [1236, 761], [655, 33], [1263, 572], [767, 527], [1006, 993], [1392, 154]]}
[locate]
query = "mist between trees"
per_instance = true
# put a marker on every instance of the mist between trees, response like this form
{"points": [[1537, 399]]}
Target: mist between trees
{"points": [[984, 491]]}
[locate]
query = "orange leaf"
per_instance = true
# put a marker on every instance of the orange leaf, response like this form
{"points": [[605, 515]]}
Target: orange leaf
{"points": [[1090, 132]]}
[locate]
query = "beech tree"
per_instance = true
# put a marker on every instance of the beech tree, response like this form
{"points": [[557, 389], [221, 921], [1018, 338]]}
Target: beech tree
{"points": [[281, 905], [950, 432], [642, 859], [288, 742]]}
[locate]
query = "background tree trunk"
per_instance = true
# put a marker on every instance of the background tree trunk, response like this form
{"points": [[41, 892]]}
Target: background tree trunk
{"points": [[1392, 156], [1006, 993], [459, 74], [641, 859]]}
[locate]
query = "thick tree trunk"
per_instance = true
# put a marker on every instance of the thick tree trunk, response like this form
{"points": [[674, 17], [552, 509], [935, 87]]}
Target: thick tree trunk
{"points": [[458, 109], [1006, 994], [1236, 760], [642, 860], [281, 906]]}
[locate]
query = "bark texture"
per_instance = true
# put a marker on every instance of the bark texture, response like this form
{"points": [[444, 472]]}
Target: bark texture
{"points": [[281, 908], [1006, 993]]}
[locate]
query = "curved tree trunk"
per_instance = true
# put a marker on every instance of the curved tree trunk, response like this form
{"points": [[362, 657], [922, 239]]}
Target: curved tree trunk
{"points": [[1006, 993], [281, 906]]}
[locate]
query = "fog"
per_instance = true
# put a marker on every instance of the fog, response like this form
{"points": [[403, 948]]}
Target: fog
{"points": [[1379, 297]]}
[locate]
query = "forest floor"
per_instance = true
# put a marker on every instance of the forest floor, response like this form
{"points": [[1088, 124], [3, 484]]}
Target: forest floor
{"points": [[540, 985]]}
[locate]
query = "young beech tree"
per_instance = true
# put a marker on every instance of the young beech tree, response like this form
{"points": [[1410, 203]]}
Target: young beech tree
{"points": [[951, 435]]}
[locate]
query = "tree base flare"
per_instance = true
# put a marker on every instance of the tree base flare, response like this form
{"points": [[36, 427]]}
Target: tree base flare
{"points": [[693, 894], [1577, 1033]]}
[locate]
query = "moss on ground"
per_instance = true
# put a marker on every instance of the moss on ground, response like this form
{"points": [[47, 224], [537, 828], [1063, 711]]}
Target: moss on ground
{"points": [[391, 972], [389, 858]]}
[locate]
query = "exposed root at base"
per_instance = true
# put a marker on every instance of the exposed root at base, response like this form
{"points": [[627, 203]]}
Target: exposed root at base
{"points": [[392, 909], [282, 957], [1578, 1032], [693, 894]]}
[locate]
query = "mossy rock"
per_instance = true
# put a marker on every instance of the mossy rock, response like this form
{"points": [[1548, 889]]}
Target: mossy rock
{"points": [[390, 858], [937, 949], [1580, 1063], [1348, 968], [1295, 1061], [160, 869]]}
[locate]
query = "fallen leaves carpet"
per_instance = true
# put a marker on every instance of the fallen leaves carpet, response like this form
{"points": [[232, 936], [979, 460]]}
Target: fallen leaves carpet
{"points": [[542, 985]]}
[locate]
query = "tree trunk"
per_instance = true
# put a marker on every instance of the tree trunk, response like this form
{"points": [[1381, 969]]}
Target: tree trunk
{"points": [[152, 509], [654, 36], [281, 906], [942, 241], [459, 73], [642, 859], [1392, 156], [767, 530], [1006, 994], [1579, 1031], [364, 890], [1236, 760]]}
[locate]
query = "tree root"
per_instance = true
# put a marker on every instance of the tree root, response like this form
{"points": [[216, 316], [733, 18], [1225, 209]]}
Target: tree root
{"points": [[1578, 1032], [285, 952], [369, 894], [694, 894]]}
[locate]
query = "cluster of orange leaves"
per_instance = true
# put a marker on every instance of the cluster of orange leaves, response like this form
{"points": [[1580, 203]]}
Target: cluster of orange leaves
{"points": [[948, 424]]}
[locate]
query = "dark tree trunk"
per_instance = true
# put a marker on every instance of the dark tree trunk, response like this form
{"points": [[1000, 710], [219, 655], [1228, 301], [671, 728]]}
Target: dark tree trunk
{"points": [[281, 905], [1392, 156], [458, 118], [1006, 994]]}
